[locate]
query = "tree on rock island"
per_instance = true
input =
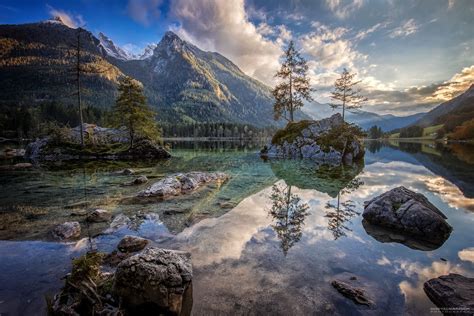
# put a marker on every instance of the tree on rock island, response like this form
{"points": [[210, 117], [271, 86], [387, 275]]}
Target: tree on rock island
{"points": [[132, 111], [294, 86], [344, 93]]}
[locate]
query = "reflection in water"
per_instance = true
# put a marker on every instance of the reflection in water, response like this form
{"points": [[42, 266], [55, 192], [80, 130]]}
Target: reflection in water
{"points": [[289, 214], [339, 213]]}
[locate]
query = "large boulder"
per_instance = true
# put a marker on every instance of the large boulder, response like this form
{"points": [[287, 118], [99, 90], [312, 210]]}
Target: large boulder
{"points": [[453, 293], [182, 183], [67, 230], [407, 213], [329, 140], [157, 280]]}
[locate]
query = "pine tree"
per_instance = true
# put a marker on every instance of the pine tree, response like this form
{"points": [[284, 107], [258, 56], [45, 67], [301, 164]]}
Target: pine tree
{"points": [[131, 111], [294, 88], [345, 93]]}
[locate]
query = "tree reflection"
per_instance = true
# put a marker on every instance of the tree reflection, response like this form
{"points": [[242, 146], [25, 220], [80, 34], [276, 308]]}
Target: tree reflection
{"points": [[289, 214], [340, 213]]}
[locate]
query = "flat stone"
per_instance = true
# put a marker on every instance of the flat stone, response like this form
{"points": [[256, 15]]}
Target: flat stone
{"points": [[99, 215], [132, 244], [182, 184], [357, 295], [407, 212], [67, 230], [453, 292]]}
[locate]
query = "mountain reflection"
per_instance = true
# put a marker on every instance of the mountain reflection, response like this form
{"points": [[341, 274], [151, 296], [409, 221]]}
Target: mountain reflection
{"points": [[340, 213], [288, 214]]}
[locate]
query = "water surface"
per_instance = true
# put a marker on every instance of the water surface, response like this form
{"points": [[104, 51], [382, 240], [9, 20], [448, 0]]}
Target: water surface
{"points": [[268, 241]]}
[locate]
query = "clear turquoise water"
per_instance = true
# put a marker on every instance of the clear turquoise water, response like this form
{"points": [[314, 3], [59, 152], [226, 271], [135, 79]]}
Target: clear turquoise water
{"points": [[252, 258]]}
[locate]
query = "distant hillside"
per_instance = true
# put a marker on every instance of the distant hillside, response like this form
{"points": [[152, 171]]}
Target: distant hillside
{"points": [[460, 108], [184, 83], [364, 119]]}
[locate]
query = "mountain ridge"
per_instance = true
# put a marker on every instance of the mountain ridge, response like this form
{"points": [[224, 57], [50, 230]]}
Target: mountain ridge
{"points": [[182, 82]]}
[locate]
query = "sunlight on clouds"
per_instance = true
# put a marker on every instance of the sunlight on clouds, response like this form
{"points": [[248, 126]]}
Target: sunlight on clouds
{"points": [[459, 83], [467, 254], [449, 193], [67, 18]]}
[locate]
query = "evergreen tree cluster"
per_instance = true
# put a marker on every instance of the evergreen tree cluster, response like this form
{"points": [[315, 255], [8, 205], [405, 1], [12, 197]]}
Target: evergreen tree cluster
{"points": [[375, 132], [217, 130]]}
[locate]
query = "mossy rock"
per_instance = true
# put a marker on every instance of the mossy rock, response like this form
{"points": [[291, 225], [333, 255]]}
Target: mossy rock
{"points": [[290, 132]]}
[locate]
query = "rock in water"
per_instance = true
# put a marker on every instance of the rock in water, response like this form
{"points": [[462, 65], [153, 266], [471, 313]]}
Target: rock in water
{"points": [[99, 215], [132, 244], [357, 295], [329, 140], [67, 230], [452, 292], [156, 280], [182, 183], [409, 213]]}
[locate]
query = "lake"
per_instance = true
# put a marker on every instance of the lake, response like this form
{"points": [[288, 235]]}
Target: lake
{"points": [[250, 255]]}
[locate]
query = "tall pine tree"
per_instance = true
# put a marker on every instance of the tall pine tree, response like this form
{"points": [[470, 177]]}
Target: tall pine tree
{"points": [[131, 111], [294, 86], [345, 94]]}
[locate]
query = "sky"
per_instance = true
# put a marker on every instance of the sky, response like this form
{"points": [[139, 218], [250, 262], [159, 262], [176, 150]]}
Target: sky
{"points": [[410, 55]]}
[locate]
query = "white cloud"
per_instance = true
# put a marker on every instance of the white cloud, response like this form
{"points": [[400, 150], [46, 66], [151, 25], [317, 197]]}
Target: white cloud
{"points": [[224, 26], [73, 21], [407, 28], [467, 254], [144, 11], [343, 8], [364, 33], [329, 51], [451, 4]]}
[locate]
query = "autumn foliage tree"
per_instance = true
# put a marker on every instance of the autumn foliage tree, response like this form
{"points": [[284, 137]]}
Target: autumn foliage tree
{"points": [[294, 86], [132, 111], [345, 95]]}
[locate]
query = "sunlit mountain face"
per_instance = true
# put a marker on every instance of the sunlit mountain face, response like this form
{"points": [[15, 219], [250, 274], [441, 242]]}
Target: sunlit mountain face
{"points": [[409, 56]]}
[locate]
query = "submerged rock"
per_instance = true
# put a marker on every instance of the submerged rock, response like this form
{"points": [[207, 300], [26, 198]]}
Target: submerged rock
{"points": [[137, 181], [452, 292], [132, 244], [407, 212], [99, 215], [182, 183], [357, 295], [156, 280], [67, 230], [329, 140]]}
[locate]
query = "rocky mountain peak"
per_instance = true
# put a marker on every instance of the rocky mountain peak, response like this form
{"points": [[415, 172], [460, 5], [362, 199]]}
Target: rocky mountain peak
{"points": [[113, 50]]}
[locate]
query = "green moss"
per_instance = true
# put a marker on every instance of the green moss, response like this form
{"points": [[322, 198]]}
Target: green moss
{"points": [[89, 150], [339, 137], [86, 267], [290, 132]]}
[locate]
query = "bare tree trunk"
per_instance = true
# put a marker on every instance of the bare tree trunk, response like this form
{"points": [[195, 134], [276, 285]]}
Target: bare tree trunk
{"points": [[291, 98], [78, 71]]}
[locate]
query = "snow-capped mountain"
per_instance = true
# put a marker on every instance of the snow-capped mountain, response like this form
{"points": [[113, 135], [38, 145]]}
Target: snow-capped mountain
{"points": [[148, 51], [114, 50]]}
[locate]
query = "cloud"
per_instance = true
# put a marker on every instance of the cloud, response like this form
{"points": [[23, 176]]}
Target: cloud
{"points": [[451, 4], [329, 49], [343, 8], [466, 254], [224, 26], [459, 83], [144, 11], [407, 28], [73, 21], [364, 33]]}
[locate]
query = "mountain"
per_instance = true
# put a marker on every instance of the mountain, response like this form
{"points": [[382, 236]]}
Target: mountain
{"points": [[459, 108], [113, 50], [364, 119], [37, 62], [182, 82]]}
